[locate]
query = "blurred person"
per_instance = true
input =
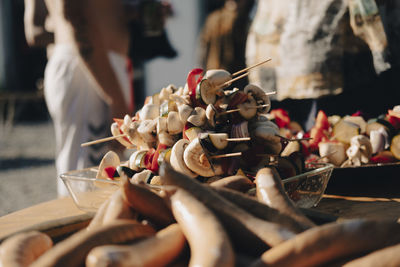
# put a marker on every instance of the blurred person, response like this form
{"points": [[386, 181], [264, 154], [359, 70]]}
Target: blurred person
{"points": [[326, 55], [148, 38], [222, 40], [86, 78], [37, 25], [263, 41]]}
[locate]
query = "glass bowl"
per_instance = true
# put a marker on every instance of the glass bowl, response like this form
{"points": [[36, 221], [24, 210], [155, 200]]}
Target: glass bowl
{"points": [[307, 189], [88, 193]]}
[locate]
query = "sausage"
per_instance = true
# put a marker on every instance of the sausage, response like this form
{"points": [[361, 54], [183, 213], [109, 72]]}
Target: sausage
{"points": [[247, 231], [146, 202], [208, 241], [99, 216], [22, 249], [73, 250], [158, 250], [323, 244], [261, 210], [112, 209], [237, 182], [118, 209], [387, 257], [270, 191]]}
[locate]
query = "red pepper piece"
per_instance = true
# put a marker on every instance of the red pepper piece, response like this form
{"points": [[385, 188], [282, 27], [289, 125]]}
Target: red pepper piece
{"points": [[119, 123], [281, 117], [154, 164], [111, 170], [393, 118], [193, 78], [322, 121], [238, 98], [148, 158]]}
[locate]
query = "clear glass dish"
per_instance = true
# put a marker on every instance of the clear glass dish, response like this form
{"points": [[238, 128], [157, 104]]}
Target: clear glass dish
{"points": [[88, 193], [307, 189]]}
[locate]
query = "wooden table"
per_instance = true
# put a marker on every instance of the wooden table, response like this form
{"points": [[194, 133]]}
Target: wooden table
{"points": [[348, 207], [60, 217]]}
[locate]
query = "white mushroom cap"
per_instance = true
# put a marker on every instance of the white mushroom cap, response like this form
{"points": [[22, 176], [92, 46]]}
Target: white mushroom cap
{"points": [[210, 114], [165, 93], [217, 76], [260, 97], [134, 136], [176, 158], [196, 160], [115, 131], [174, 124], [184, 112], [161, 124], [133, 159], [166, 139], [199, 117], [377, 141], [141, 177], [146, 130], [364, 145], [110, 159], [334, 152], [149, 112]]}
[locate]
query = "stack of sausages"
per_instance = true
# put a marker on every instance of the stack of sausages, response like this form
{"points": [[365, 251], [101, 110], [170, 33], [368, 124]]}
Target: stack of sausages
{"points": [[188, 223]]}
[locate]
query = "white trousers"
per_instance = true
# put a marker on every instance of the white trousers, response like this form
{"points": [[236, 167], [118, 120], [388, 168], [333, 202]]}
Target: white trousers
{"points": [[79, 113]]}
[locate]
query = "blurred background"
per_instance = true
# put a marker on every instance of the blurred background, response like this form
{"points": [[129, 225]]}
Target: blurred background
{"points": [[27, 146]]}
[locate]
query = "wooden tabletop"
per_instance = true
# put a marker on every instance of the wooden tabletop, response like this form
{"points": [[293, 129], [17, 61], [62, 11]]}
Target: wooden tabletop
{"points": [[61, 217], [348, 207], [57, 218]]}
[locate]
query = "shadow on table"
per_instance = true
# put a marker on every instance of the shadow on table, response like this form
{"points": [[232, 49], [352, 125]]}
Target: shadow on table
{"points": [[22, 162]]}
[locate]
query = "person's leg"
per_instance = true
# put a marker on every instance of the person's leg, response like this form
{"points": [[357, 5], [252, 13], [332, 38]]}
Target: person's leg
{"points": [[78, 113], [59, 99]]}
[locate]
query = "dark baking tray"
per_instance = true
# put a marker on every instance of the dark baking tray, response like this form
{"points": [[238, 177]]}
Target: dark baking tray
{"points": [[372, 180]]}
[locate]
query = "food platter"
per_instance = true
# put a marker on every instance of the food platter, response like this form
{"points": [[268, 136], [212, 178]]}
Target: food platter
{"points": [[373, 180]]}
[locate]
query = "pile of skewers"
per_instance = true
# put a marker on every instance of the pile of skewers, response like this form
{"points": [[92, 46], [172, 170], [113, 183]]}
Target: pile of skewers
{"points": [[204, 129], [351, 140]]}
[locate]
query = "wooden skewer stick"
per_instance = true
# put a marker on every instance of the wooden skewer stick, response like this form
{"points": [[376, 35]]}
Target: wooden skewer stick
{"points": [[293, 139], [238, 139], [229, 82], [259, 106], [103, 140], [319, 158], [94, 170], [248, 68], [226, 155], [271, 93], [228, 111], [238, 109]]}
